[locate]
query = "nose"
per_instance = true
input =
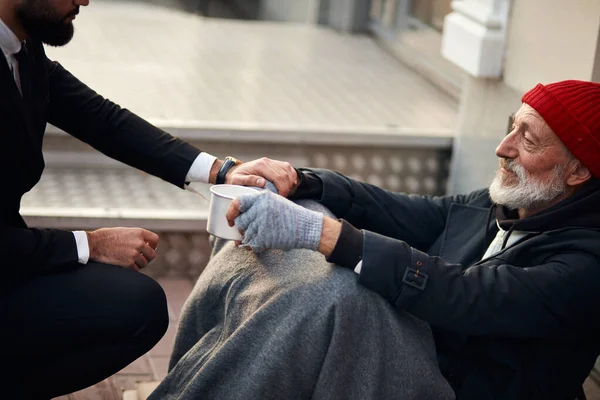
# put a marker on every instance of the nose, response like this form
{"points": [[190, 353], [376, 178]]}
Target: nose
{"points": [[508, 147], [81, 2]]}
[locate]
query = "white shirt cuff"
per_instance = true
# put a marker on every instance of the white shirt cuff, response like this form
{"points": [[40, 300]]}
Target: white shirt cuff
{"points": [[358, 267], [83, 247], [200, 169]]}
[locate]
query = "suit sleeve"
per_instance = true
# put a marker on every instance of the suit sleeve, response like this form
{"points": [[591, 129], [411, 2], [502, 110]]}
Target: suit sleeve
{"points": [[116, 132], [416, 219], [553, 299], [27, 252]]}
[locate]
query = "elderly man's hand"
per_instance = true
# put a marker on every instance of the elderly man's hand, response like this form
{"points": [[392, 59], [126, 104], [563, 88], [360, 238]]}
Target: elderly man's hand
{"points": [[126, 247], [255, 173], [269, 221]]}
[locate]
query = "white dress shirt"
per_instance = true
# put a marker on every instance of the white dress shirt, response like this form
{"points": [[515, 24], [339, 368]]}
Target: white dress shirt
{"points": [[358, 267], [10, 45], [199, 171], [497, 244]]}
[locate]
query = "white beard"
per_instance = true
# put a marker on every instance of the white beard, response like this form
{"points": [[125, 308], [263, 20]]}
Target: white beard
{"points": [[527, 193]]}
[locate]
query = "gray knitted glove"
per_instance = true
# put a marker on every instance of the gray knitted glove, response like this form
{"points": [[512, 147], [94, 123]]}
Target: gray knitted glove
{"points": [[271, 186], [270, 221]]}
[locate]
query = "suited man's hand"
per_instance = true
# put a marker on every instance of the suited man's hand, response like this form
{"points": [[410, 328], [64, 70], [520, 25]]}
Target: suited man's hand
{"points": [[126, 247], [257, 172]]}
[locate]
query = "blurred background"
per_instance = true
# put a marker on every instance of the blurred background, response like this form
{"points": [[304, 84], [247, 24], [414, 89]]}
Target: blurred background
{"points": [[410, 95]]}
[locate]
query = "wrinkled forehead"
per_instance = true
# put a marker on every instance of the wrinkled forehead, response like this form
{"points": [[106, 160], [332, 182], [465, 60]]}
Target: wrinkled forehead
{"points": [[529, 117]]}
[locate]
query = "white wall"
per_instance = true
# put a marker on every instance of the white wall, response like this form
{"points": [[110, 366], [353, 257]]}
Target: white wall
{"points": [[551, 40]]}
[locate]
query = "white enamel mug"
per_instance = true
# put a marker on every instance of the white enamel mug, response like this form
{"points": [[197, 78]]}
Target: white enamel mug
{"points": [[220, 199]]}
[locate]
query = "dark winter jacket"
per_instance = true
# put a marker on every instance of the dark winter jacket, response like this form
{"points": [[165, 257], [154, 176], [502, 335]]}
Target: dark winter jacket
{"points": [[521, 324]]}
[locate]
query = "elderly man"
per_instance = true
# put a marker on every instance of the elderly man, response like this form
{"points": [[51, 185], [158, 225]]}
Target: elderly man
{"points": [[507, 278]]}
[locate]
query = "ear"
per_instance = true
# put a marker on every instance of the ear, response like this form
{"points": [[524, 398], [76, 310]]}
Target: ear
{"points": [[579, 174]]}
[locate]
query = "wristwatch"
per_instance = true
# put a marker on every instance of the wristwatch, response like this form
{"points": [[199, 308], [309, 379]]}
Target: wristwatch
{"points": [[227, 165]]}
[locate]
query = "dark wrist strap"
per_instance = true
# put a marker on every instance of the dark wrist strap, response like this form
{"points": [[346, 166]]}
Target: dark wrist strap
{"points": [[348, 250], [310, 186], [225, 167]]}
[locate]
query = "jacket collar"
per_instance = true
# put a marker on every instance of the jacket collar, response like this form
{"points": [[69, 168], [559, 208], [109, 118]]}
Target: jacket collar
{"points": [[10, 97], [9, 43]]}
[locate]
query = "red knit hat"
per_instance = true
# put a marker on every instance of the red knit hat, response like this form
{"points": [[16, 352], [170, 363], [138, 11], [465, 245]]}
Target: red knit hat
{"points": [[572, 109]]}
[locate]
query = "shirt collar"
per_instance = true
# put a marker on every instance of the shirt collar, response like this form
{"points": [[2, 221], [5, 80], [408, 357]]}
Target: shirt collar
{"points": [[9, 42]]}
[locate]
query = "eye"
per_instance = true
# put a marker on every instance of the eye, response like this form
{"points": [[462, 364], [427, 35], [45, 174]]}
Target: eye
{"points": [[528, 141]]}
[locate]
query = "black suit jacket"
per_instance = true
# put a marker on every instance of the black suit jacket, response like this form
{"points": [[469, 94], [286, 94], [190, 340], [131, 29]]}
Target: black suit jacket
{"points": [[61, 99]]}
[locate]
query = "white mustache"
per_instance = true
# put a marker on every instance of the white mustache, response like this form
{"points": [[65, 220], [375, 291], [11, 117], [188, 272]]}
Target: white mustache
{"points": [[511, 166]]}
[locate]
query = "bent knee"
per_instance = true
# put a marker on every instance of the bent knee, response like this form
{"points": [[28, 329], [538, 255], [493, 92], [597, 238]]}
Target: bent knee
{"points": [[335, 285], [153, 307], [146, 314]]}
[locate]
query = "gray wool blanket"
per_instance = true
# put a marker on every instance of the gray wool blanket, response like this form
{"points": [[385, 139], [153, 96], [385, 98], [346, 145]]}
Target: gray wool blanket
{"points": [[289, 325]]}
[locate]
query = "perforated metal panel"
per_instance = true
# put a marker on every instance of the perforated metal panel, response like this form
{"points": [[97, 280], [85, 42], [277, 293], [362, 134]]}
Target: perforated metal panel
{"points": [[180, 255]]}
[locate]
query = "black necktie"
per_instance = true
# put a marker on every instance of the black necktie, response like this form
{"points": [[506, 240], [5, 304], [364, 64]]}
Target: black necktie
{"points": [[24, 72]]}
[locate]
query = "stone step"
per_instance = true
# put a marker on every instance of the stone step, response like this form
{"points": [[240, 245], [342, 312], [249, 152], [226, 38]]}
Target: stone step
{"points": [[92, 198], [353, 153], [145, 389], [142, 392], [82, 188], [240, 132], [253, 85], [130, 395]]}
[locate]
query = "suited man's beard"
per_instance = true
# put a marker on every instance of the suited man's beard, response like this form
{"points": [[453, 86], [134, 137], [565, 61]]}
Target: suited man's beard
{"points": [[42, 23]]}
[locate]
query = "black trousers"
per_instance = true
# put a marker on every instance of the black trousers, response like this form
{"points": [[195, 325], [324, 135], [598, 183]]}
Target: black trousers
{"points": [[64, 331]]}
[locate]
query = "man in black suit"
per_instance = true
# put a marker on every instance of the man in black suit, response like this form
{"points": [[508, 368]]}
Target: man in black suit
{"points": [[74, 307]]}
